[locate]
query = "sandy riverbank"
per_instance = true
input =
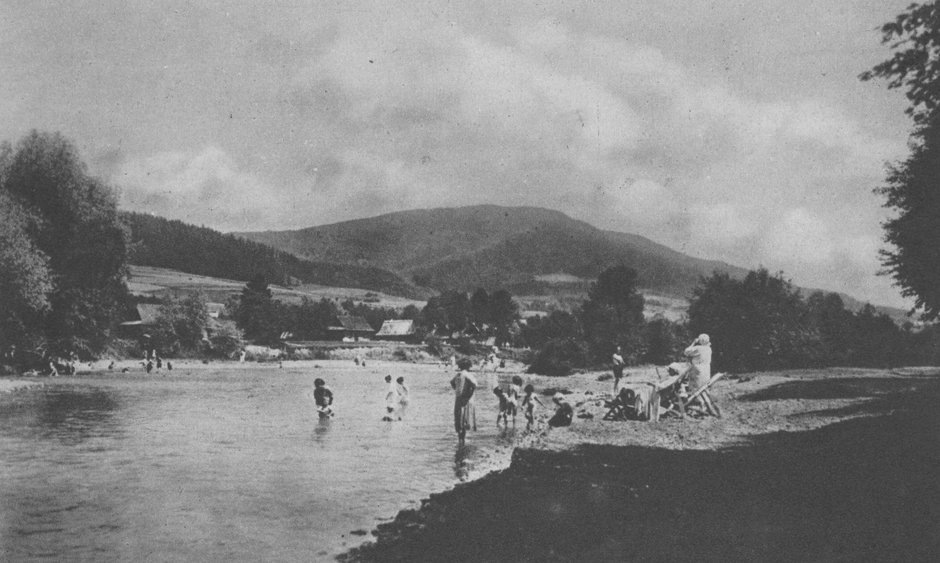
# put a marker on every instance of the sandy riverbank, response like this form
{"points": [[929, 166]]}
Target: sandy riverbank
{"points": [[804, 465], [15, 385]]}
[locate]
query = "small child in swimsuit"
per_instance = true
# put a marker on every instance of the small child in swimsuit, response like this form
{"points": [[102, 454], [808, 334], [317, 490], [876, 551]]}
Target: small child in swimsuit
{"points": [[503, 405], [528, 404]]}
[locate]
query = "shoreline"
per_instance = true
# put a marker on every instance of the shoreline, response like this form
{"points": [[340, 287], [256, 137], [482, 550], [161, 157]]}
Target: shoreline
{"points": [[805, 464]]}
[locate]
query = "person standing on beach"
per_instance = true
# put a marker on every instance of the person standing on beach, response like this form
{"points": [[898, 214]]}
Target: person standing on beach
{"points": [[322, 398], [528, 405], [618, 363], [464, 386], [700, 359]]}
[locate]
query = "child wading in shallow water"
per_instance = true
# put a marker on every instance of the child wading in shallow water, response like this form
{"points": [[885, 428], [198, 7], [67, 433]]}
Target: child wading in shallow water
{"points": [[323, 398], [503, 405], [528, 404], [512, 397]]}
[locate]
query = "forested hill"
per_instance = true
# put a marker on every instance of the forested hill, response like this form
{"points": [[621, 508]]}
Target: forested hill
{"points": [[520, 248], [165, 243]]}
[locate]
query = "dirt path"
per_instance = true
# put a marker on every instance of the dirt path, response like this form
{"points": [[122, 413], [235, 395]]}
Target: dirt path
{"points": [[804, 465]]}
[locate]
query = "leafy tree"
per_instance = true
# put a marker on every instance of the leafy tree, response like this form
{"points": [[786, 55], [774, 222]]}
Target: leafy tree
{"points": [[664, 341], [226, 340], [73, 221], [912, 187], [449, 311], [257, 313], [613, 314], [560, 356], [25, 280], [760, 322], [182, 324], [537, 331], [835, 327]]}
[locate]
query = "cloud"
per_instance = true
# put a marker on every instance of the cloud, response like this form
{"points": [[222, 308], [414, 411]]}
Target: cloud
{"points": [[205, 187]]}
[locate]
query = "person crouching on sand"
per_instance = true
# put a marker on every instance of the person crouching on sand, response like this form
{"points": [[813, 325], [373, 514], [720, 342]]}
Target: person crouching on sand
{"points": [[464, 386], [563, 414], [323, 398]]}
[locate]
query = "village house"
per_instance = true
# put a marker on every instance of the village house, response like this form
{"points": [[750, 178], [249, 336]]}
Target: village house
{"points": [[350, 328], [398, 331]]}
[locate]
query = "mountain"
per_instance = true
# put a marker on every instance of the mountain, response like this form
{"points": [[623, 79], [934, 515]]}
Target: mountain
{"points": [[164, 243], [524, 249]]}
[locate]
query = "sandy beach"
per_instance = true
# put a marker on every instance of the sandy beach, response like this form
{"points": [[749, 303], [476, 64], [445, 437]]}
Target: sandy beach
{"points": [[836, 464]]}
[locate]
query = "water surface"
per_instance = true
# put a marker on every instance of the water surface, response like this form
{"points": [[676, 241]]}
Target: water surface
{"points": [[226, 463]]}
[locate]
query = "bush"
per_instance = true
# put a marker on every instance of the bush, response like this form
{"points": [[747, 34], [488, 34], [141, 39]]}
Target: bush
{"points": [[560, 356]]}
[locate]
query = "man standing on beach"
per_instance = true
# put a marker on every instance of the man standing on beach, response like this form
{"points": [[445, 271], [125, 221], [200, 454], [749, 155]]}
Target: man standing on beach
{"points": [[617, 360], [464, 385]]}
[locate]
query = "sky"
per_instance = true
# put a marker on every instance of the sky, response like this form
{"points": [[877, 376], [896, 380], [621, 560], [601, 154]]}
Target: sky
{"points": [[727, 129]]}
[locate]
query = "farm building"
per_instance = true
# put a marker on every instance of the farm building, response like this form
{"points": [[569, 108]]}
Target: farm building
{"points": [[398, 331], [351, 328]]}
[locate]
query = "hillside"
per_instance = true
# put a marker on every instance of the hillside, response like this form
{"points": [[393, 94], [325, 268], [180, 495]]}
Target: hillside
{"points": [[162, 243], [519, 248]]}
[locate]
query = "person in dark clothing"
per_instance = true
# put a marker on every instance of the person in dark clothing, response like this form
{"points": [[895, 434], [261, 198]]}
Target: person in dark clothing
{"points": [[323, 398], [563, 414]]}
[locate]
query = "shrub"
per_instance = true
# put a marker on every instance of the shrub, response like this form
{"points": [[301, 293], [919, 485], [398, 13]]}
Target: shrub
{"points": [[560, 356]]}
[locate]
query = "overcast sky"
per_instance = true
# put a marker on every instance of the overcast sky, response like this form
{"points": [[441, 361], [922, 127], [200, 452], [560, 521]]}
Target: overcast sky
{"points": [[735, 130]]}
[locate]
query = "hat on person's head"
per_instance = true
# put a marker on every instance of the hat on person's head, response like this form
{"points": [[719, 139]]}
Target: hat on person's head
{"points": [[558, 397], [703, 339]]}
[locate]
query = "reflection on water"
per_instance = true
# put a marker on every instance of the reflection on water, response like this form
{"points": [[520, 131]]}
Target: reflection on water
{"points": [[219, 464]]}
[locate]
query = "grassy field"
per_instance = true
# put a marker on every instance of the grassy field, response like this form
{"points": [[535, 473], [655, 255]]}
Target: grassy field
{"points": [[161, 282]]}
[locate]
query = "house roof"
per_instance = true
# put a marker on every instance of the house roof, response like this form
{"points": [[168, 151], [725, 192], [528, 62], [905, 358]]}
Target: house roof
{"points": [[404, 327], [352, 322]]}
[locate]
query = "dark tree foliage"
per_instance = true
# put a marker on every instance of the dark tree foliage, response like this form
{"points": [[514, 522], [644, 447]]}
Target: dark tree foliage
{"points": [[560, 356], [912, 188], [760, 322], [74, 222], [835, 327], [559, 324], [448, 312], [375, 316], [258, 315], [311, 319], [613, 315], [182, 324], [664, 341], [25, 280]]}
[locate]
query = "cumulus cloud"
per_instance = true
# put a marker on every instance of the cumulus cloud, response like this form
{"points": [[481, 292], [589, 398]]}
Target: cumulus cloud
{"points": [[204, 187]]}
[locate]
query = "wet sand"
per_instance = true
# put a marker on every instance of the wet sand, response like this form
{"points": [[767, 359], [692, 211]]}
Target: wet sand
{"points": [[804, 466]]}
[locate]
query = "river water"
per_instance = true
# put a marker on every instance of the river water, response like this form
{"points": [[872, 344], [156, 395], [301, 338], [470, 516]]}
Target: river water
{"points": [[229, 463]]}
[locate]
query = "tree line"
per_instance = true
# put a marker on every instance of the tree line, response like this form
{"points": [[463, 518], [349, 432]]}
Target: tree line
{"points": [[760, 322]]}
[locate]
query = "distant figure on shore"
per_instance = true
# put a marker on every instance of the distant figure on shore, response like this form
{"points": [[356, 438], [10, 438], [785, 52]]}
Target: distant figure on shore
{"points": [[700, 359], [403, 399], [391, 399], [464, 386], [563, 414], [618, 363], [528, 405], [241, 356], [323, 398]]}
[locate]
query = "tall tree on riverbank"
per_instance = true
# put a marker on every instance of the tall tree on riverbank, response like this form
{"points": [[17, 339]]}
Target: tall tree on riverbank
{"points": [[71, 218], [912, 187], [613, 315]]}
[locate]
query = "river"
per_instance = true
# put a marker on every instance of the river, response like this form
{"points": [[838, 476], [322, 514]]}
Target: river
{"points": [[224, 463]]}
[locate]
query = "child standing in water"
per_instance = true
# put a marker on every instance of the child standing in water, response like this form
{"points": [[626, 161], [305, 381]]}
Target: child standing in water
{"points": [[323, 398], [528, 404], [403, 399], [503, 406], [513, 396]]}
